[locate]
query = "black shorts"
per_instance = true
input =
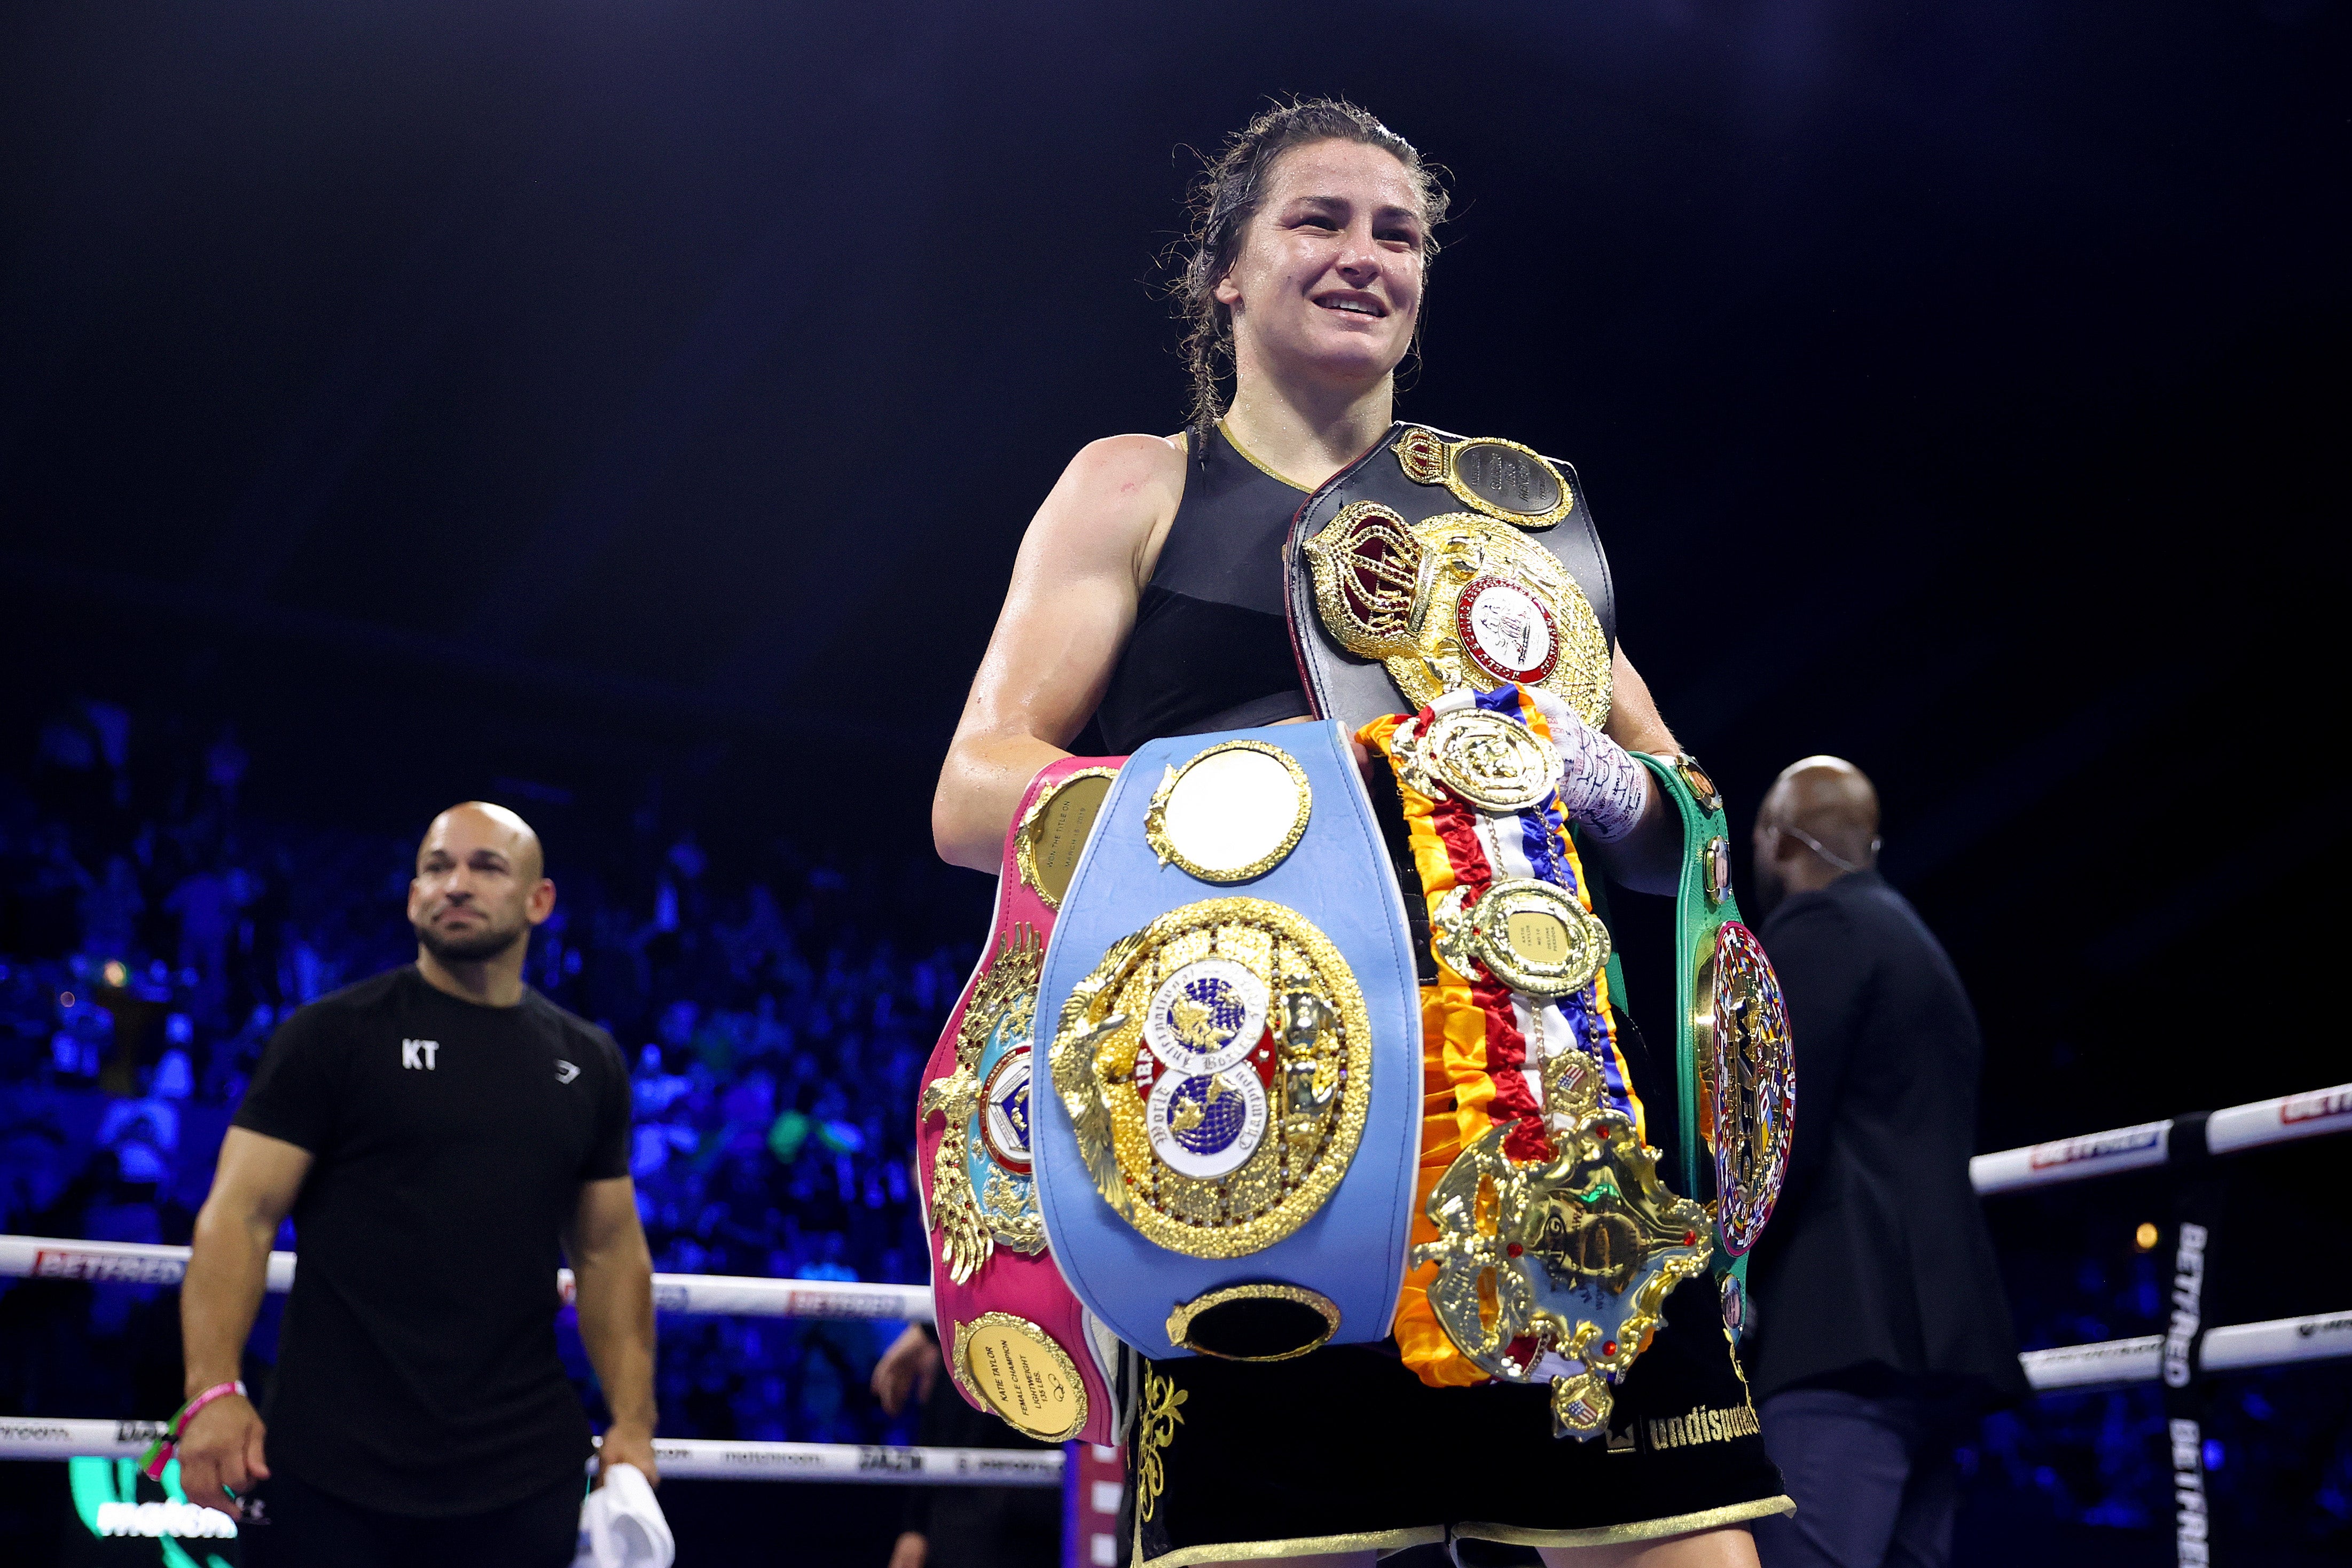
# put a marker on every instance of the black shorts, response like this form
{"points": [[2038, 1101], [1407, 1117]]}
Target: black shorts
{"points": [[1345, 1450], [308, 1528]]}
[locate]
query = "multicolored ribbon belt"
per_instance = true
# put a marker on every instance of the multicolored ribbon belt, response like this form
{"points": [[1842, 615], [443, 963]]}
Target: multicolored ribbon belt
{"points": [[1231, 1013], [1015, 1341], [1545, 1244]]}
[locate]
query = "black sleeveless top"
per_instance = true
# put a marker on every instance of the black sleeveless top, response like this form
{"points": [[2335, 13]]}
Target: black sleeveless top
{"points": [[1211, 648]]}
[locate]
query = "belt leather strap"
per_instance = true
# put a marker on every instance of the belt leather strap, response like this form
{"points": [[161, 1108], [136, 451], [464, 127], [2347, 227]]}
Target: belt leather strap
{"points": [[1017, 1343], [1228, 1151]]}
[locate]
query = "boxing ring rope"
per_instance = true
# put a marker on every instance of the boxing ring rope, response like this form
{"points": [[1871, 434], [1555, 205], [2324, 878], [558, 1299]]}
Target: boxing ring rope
{"points": [[2174, 1140], [691, 1458], [2108, 1363], [698, 1295]]}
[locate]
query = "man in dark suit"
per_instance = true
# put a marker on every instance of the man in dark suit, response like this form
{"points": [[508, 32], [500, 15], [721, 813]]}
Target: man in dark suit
{"points": [[1882, 1333]]}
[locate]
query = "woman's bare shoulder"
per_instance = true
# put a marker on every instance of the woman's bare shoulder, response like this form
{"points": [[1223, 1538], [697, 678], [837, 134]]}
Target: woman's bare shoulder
{"points": [[1112, 505], [1127, 464]]}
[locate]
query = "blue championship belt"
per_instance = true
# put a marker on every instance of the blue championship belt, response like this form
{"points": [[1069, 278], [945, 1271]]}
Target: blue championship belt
{"points": [[1229, 1020]]}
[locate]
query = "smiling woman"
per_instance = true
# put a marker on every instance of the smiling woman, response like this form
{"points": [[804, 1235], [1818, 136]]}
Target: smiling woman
{"points": [[1163, 590], [1234, 188]]}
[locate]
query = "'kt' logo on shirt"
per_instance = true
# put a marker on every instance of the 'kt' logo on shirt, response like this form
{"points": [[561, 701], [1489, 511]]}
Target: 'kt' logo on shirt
{"points": [[418, 1053]]}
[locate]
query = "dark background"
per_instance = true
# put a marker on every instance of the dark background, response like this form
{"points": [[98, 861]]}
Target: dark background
{"points": [[642, 401]]}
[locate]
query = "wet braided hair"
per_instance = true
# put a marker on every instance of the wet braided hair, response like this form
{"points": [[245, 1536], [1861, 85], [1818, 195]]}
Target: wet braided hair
{"points": [[1227, 195]]}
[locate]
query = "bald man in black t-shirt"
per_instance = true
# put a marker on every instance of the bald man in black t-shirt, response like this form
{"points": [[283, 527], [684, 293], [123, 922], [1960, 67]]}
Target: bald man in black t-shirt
{"points": [[443, 1137]]}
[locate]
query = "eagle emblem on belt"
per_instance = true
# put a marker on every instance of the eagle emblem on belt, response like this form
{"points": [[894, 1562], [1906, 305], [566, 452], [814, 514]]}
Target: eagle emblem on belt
{"points": [[982, 1191]]}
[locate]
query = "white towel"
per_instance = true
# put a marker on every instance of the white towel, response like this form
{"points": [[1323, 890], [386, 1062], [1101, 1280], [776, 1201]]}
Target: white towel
{"points": [[621, 1525]]}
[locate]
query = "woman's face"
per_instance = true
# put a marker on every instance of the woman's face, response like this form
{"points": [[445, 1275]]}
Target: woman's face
{"points": [[1327, 282]]}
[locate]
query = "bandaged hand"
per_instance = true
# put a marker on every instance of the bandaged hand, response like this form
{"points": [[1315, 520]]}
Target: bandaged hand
{"points": [[1601, 784]]}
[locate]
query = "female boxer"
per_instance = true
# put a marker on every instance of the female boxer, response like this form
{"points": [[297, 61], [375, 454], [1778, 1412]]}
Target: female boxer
{"points": [[1148, 596]]}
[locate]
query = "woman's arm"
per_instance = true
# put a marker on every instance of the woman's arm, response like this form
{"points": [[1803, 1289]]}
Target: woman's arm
{"points": [[1648, 859], [1082, 565]]}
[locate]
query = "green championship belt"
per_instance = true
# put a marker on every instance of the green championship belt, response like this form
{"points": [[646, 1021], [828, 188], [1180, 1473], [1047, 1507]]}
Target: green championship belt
{"points": [[1735, 1075]]}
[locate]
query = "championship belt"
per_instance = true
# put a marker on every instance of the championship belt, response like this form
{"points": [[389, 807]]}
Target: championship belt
{"points": [[1016, 1342], [1546, 1244], [1229, 1015], [1734, 1071], [1434, 563]]}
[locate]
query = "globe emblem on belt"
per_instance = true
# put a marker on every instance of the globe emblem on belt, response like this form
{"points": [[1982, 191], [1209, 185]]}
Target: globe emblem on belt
{"points": [[1206, 1017], [1206, 1124], [1204, 1114]]}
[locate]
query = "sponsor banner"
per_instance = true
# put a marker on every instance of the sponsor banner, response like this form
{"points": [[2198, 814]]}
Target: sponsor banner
{"points": [[2085, 1366], [2071, 1159], [2193, 1534], [2319, 1104], [715, 1294], [2116, 1145], [2321, 1337], [182, 1520], [2307, 1115], [39, 1438], [111, 1262], [690, 1458], [128, 1263], [106, 1268]]}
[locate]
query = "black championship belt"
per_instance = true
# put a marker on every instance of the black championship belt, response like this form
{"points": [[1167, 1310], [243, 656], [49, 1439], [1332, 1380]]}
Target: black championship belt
{"points": [[1436, 561]]}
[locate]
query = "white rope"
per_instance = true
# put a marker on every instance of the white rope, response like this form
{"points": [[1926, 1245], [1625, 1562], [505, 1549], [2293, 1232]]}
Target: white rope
{"points": [[703, 1295], [2228, 1130], [686, 1458], [695, 1458], [2236, 1348]]}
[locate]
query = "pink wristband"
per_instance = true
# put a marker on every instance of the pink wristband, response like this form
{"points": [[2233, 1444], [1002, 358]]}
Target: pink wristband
{"points": [[159, 1452]]}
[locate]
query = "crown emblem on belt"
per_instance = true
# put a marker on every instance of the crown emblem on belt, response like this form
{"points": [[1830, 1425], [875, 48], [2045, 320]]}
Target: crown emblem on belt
{"points": [[1458, 600]]}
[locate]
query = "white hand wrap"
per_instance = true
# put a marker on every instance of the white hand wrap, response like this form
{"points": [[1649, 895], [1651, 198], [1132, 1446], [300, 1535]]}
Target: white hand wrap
{"points": [[1600, 785]]}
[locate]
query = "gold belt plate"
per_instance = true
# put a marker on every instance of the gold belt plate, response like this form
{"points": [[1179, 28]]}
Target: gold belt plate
{"points": [[1458, 600], [1481, 758], [1499, 478], [1217, 1068], [1747, 1081], [1533, 937], [1559, 1270]]}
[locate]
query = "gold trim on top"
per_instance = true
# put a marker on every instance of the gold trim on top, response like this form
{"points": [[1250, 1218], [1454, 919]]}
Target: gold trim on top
{"points": [[1296, 1546], [1615, 1534], [1428, 459], [1155, 816], [1180, 1321], [1044, 1342], [1259, 463], [1033, 821]]}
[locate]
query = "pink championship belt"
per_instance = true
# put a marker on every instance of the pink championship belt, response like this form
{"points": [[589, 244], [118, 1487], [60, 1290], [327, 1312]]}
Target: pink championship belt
{"points": [[1016, 1341]]}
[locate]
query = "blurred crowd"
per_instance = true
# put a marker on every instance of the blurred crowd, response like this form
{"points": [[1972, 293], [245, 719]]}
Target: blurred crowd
{"points": [[153, 932]]}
